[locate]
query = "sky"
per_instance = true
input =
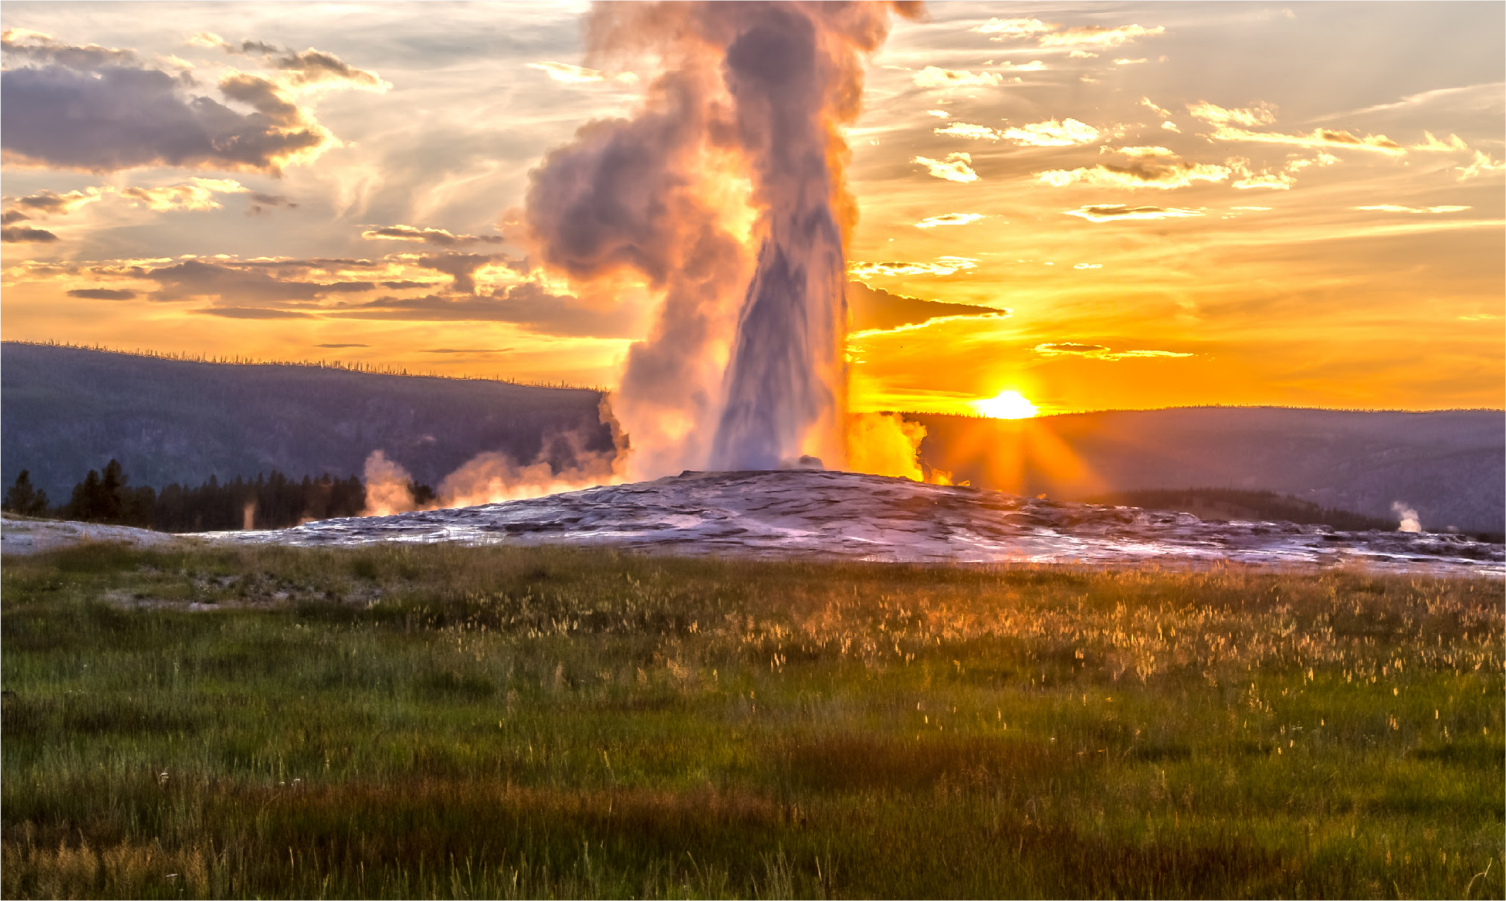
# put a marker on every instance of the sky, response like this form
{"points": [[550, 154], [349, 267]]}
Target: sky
{"points": [[1099, 206]]}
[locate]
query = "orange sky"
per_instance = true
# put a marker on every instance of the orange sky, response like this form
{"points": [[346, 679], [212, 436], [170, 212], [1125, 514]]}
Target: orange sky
{"points": [[1176, 203]]}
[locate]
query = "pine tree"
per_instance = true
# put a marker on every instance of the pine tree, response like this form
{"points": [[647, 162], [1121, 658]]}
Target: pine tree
{"points": [[84, 505], [24, 498], [111, 488]]}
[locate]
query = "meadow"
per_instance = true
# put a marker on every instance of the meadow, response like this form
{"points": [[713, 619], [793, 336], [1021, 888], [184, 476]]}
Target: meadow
{"points": [[440, 721]]}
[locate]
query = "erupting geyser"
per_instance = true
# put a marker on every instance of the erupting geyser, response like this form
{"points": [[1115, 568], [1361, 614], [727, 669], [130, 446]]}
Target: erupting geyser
{"points": [[737, 146]]}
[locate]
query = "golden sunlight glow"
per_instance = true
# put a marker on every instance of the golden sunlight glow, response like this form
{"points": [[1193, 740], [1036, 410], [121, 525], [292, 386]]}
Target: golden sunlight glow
{"points": [[1006, 405]]}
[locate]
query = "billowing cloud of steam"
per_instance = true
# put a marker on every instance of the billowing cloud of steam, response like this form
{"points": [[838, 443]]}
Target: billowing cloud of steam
{"points": [[724, 192], [886, 444], [564, 463], [389, 487], [1408, 517]]}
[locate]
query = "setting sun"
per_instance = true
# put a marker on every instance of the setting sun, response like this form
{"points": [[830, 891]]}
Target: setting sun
{"points": [[1006, 405]]}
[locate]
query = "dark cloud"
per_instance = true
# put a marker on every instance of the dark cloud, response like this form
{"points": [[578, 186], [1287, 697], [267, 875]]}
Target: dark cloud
{"points": [[45, 50], [426, 235], [12, 216], [22, 234], [461, 267], [404, 285], [1116, 211], [194, 279], [313, 66], [306, 67], [250, 46], [260, 203], [526, 305], [102, 293], [254, 313], [121, 118], [48, 202], [873, 308]]}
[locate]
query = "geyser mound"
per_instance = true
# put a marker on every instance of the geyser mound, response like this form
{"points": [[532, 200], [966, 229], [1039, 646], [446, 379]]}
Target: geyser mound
{"points": [[805, 513]]}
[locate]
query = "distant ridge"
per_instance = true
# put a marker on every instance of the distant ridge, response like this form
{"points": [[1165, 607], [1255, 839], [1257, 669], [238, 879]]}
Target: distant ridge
{"points": [[1450, 466], [344, 365], [65, 410]]}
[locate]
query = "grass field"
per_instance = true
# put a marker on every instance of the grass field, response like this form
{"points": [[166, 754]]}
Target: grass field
{"points": [[444, 721]]}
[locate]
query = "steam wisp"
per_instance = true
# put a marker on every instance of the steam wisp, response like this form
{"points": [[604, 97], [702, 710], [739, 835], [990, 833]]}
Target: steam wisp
{"points": [[563, 463], [1409, 520]]}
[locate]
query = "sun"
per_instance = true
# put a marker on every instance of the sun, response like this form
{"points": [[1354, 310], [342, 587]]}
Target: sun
{"points": [[1006, 405]]}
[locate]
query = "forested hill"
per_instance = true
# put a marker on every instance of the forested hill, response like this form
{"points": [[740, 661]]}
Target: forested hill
{"points": [[64, 411], [1449, 466]]}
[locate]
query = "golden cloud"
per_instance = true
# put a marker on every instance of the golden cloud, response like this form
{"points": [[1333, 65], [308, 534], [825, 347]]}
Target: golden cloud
{"points": [[1218, 115], [949, 219], [1144, 175], [956, 167], [1320, 137], [1430, 143], [1482, 165], [968, 130], [1052, 133], [1150, 104], [196, 196], [1098, 36], [942, 266], [1278, 182]]}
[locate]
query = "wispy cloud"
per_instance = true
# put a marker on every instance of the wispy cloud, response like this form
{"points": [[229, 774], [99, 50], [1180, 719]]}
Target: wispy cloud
{"points": [[1150, 104], [1149, 173], [1101, 352], [1278, 181], [949, 219], [1049, 34], [197, 195], [937, 77], [568, 74], [1394, 208], [1116, 212], [436, 236], [942, 266], [1431, 144], [968, 130], [1098, 36], [1218, 115], [1052, 133], [956, 167], [1320, 137], [1015, 28], [1481, 165]]}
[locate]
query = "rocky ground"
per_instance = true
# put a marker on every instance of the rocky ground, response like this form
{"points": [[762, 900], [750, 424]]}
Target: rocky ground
{"points": [[34, 536]]}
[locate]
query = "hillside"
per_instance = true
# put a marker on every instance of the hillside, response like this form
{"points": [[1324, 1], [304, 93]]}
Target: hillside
{"points": [[66, 410], [1450, 466]]}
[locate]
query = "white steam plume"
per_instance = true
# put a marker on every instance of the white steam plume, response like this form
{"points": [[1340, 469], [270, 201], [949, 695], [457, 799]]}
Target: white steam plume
{"points": [[1409, 520], [736, 145]]}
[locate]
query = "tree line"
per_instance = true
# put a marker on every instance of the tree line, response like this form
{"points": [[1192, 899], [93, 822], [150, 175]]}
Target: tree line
{"points": [[272, 501]]}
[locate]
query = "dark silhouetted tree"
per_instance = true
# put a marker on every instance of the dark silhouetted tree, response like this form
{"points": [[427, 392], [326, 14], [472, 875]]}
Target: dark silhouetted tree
{"points": [[25, 498], [84, 503]]}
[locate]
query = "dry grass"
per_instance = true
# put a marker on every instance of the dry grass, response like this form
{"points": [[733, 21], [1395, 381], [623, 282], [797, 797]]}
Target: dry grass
{"points": [[405, 721]]}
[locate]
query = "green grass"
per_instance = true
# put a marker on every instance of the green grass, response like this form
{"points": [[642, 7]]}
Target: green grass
{"points": [[445, 721]]}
